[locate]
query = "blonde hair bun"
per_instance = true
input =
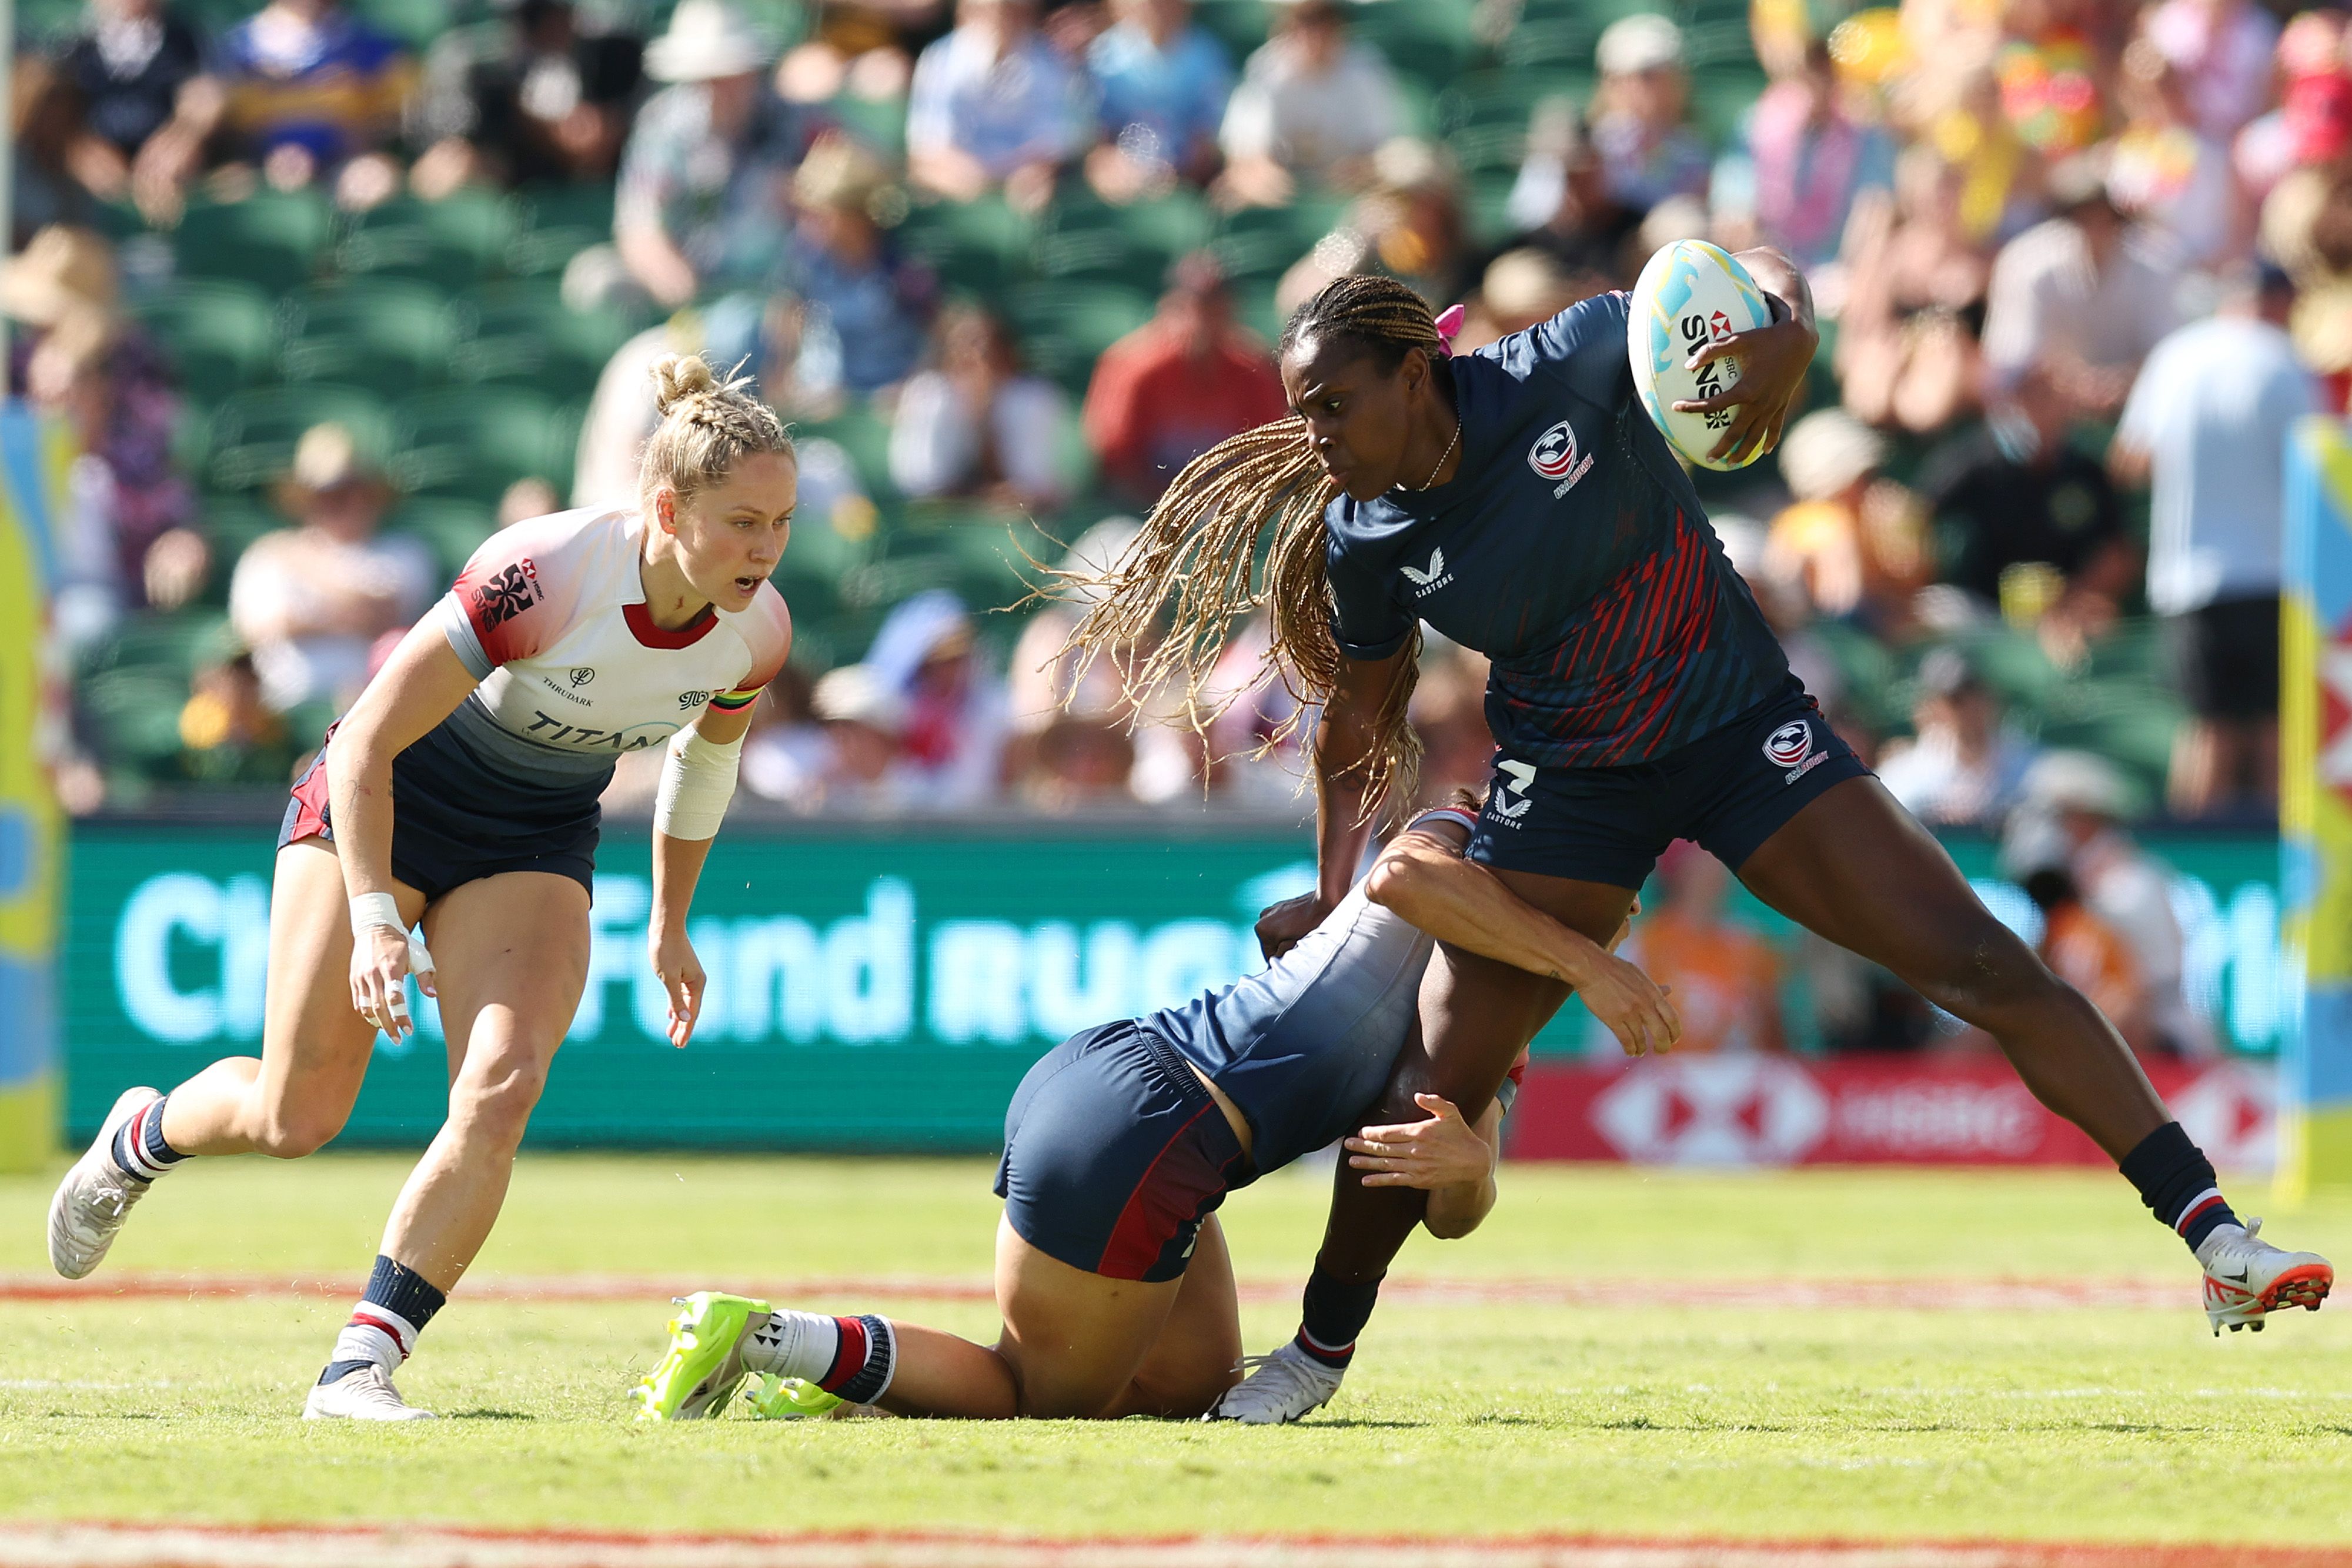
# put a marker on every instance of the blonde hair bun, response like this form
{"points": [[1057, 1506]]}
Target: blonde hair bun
{"points": [[679, 377]]}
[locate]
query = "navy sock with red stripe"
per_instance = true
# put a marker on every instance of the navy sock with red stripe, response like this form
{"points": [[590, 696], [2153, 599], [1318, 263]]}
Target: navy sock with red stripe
{"points": [[2176, 1182], [383, 1327], [1331, 1314], [140, 1151], [852, 1357]]}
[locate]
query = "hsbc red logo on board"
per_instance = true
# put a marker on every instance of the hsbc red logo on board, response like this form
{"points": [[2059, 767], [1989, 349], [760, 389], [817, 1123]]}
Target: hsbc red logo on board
{"points": [[1714, 1111]]}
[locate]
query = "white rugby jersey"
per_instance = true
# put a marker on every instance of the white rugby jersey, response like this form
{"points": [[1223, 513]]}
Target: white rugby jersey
{"points": [[551, 613]]}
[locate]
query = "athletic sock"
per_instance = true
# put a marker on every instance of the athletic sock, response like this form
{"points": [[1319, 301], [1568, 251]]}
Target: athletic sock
{"points": [[2176, 1182], [383, 1327], [852, 1357], [1331, 1314], [140, 1150]]}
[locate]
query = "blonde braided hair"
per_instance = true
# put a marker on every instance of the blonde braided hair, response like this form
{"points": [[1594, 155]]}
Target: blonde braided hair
{"points": [[1201, 549], [707, 425]]}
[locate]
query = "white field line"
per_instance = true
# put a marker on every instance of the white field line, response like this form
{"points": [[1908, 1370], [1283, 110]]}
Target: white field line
{"points": [[2007, 1295], [422, 1546]]}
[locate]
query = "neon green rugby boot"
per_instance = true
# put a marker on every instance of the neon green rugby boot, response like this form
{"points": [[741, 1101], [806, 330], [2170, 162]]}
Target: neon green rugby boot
{"points": [[704, 1365], [773, 1398]]}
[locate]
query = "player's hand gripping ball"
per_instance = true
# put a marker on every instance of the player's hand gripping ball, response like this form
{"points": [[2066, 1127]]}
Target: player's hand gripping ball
{"points": [[1691, 295]]}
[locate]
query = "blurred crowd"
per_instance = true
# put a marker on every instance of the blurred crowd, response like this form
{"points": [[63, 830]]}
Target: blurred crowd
{"points": [[2081, 263]]}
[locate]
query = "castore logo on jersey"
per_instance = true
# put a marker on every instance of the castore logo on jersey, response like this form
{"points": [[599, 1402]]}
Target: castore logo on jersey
{"points": [[1428, 580]]}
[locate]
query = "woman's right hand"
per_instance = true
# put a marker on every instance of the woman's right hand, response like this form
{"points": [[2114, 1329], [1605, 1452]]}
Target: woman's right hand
{"points": [[380, 969], [1280, 926], [1635, 1007]]}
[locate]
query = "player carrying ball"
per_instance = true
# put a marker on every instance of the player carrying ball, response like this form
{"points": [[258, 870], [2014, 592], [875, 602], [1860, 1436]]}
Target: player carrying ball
{"points": [[1111, 1271], [462, 789], [1519, 500]]}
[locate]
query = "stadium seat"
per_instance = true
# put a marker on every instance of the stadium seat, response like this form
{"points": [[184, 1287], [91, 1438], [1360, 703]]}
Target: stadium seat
{"points": [[173, 644], [251, 437], [880, 123], [271, 240], [219, 335], [522, 333], [866, 436], [416, 22], [977, 245], [391, 336], [135, 712], [472, 443], [452, 530], [232, 522], [558, 222], [454, 243], [1064, 326], [1427, 41]]}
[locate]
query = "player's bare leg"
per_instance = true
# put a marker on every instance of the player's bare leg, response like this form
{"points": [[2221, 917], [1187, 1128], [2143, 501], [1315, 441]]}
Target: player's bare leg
{"points": [[513, 962], [1855, 867], [286, 1102], [513, 951]]}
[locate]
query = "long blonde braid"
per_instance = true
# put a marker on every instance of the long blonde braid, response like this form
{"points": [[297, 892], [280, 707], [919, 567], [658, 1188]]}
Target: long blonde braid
{"points": [[1201, 548]]}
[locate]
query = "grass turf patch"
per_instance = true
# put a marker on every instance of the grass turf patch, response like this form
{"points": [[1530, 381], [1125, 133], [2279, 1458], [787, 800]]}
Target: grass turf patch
{"points": [[1652, 1419]]}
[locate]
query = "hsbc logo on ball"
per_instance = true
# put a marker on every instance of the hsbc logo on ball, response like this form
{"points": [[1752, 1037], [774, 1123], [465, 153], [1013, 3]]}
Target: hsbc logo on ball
{"points": [[1714, 1111], [1553, 456]]}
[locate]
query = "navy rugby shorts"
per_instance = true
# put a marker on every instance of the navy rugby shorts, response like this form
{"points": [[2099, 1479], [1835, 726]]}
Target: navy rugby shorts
{"points": [[1728, 791], [1114, 1153], [439, 844]]}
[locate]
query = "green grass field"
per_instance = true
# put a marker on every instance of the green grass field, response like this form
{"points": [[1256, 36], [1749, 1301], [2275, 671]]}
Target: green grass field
{"points": [[1630, 1414]]}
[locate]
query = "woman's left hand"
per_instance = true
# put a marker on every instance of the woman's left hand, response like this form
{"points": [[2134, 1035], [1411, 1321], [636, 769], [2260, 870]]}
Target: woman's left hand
{"points": [[1444, 1151], [1773, 360], [680, 973]]}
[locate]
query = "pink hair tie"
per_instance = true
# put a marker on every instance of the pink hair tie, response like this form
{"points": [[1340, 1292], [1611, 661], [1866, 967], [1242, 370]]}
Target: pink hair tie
{"points": [[1449, 323]]}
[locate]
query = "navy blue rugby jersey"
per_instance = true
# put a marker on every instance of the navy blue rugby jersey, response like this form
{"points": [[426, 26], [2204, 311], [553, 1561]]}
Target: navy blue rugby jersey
{"points": [[1570, 550]]}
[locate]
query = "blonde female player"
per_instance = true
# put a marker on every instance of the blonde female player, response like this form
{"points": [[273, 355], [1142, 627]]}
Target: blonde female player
{"points": [[462, 789]]}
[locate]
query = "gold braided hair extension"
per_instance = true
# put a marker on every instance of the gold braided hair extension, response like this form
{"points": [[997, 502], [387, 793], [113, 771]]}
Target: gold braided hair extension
{"points": [[1200, 550]]}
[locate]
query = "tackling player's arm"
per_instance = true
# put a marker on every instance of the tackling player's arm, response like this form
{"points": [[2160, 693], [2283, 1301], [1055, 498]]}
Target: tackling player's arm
{"points": [[1423, 876], [421, 685], [1345, 740], [1445, 1157]]}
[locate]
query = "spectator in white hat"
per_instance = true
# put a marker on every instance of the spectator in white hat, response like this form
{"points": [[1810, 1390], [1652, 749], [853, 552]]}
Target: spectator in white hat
{"points": [[1639, 114], [702, 204], [2073, 812]]}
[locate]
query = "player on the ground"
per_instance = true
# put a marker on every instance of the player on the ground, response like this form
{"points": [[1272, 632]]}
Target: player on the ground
{"points": [[1520, 501], [1112, 1272], [462, 789]]}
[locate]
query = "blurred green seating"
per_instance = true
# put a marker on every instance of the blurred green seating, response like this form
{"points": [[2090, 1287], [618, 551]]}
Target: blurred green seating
{"points": [[220, 334], [1089, 239], [1064, 326], [272, 240], [1262, 241], [977, 247], [864, 436], [557, 223], [1425, 41], [522, 333], [1239, 25], [470, 442], [250, 438], [453, 243], [416, 22], [1504, 97], [174, 642], [134, 711], [452, 529], [389, 335], [880, 123]]}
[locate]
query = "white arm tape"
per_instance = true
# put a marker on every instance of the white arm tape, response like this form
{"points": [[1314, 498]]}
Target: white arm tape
{"points": [[697, 781], [371, 910]]}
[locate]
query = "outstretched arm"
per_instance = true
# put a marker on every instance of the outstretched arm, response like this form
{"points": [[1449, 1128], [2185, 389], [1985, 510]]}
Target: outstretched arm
{"points": [[1423, 876]]}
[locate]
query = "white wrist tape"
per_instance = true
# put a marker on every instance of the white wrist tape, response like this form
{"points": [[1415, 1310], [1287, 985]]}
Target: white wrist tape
{"points": [[372, 910], [697, 781]]}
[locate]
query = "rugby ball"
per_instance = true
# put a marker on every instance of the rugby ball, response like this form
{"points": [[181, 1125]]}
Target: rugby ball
{"points": [[1691, 293]]}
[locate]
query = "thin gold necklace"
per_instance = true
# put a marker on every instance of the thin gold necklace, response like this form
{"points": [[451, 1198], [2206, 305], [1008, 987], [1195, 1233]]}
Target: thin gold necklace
{"points": [[1450, 445]]}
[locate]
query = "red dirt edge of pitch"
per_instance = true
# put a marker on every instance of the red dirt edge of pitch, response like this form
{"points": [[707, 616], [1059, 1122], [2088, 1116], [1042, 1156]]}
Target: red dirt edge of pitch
{"points": [[1902, 1294], [104, 1543]]}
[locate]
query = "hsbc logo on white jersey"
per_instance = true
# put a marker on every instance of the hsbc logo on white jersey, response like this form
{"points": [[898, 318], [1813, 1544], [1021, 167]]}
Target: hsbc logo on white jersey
{"points": [[1554, 456]]}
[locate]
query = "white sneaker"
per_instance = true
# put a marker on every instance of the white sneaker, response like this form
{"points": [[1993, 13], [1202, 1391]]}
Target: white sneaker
{"points": [[1280, 1388], [366, 1395], [2246, 1277], [96, 1196]]}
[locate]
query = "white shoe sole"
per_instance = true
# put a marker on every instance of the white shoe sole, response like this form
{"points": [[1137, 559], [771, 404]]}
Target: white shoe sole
{"points": [[129, 1103]]}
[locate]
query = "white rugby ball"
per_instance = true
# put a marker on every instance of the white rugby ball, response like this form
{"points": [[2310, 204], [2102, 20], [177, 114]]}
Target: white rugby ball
{"points": [[1691, 293]]}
